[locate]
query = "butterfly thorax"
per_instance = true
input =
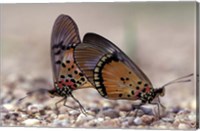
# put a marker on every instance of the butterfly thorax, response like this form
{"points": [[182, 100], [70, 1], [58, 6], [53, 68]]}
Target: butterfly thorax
{"points": [[62, 92], [147, 97]]}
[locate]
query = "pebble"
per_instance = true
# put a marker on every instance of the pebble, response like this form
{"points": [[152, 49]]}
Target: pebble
{"points": [[148, 111], [175, 109], [192, 117], [167, 119], [113, 123], [82, 118], [35, 108], [94, 109], [62, 116], [125, 107], [183, 126], [31, 122], [193, 104], [130, 120], [61, 123], [147, 119], [107, 104], [9, 106], [138, 121], [74, 112], [111, 113]]}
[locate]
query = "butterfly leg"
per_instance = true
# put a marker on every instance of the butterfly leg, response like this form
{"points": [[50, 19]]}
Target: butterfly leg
{"points": [[136, 107], [56, 105], [81, 107], [161, 104], [68, 105], [157, 104]]}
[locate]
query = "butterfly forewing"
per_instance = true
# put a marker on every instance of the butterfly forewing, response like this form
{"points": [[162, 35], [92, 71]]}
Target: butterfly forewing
{"points": [[65, 33], [112, 73], [65, 37]]}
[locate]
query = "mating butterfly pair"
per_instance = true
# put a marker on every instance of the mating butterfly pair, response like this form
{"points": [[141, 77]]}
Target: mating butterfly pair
{"points": [[97, 63]]}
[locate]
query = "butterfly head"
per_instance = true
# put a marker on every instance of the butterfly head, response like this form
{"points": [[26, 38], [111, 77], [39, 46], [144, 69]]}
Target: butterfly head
{"points": [[160, 91], [63, 91], [53, 93]]}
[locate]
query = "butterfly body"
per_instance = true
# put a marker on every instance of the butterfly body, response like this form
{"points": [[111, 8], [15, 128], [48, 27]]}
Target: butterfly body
{"points": [[66, 73]]}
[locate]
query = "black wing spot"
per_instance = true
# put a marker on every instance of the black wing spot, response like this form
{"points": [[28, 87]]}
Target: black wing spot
{"points": [[69, 69], [72, 80], [57, 53], [81, 74], [58, 62], [130, 84], [145, 85], [139, 95], [139, 82], [137, 87], [67, 61], [83, 79], [72, 66], [132, 92], [129, 72], [120, 95], [79, 82], [122, 79], [63, 65], [62, 76], [127, 78], [143, 90], [128, 95], [66, 80], [75, 72], [70, 75]]}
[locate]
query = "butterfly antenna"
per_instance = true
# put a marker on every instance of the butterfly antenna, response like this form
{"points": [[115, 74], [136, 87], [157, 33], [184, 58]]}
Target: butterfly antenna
{"points": [[179, 80]]}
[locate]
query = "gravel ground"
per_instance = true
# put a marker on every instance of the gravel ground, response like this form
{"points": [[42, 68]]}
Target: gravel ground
{"points": [[102, 113], [160, 39]]}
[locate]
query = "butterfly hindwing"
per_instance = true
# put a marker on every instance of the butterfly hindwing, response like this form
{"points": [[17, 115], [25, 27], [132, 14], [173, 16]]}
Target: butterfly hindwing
{"points": [[112, 73], [113, 79], [70, 74]]}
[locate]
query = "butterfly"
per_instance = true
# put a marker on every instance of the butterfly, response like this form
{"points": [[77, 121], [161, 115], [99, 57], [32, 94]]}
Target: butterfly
{"points": [[66, 73], [114, 74]]}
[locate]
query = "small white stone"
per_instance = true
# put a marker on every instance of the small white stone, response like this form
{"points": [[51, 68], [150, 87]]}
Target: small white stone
{"points": [[9, 106], [166, 119], [192, 117], [100, 119], [31, 122], [183, 126], [193, 104], [74, 112], [62, 116], [82, 118], [137, 121]]}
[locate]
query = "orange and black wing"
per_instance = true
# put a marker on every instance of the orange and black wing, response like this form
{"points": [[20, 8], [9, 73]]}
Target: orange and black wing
{"points": [[113, 74], [65, 36]]}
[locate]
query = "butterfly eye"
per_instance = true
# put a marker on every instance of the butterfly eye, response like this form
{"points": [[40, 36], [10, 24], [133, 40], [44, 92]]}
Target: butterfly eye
{"points": [[162, 93], [51, 93]]}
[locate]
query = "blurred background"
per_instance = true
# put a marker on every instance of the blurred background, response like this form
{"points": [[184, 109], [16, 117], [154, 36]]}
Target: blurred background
{"points": [[159, 37]]}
